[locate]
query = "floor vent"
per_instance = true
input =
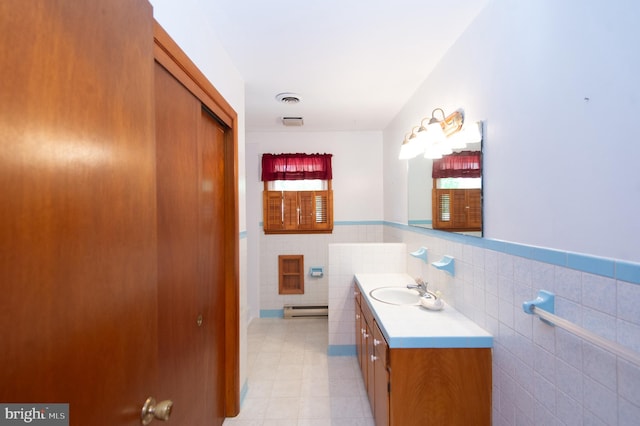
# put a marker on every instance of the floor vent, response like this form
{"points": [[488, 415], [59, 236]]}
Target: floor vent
{"points": [[310, 311]]}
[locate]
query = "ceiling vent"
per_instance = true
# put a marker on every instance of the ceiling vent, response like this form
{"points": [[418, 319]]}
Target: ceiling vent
{"points": [[292, 121], [288, 98]]}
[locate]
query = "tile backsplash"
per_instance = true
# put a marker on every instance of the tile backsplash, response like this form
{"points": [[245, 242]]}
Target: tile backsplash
{"points": [[346, 260]]}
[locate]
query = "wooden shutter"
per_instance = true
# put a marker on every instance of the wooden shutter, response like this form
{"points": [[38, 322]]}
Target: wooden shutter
{"points": [[290, 208], [306, 204], [457, 209], [474, 213], [323, 203], [298, 211], [273, 214]]}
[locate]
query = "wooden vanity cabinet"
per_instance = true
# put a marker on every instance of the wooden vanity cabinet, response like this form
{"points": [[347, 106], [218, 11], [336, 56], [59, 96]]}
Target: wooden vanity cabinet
{"points": [[421, 386], [371, 349]]}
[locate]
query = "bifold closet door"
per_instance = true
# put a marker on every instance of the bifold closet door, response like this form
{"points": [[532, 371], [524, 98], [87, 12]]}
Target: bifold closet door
{"points": [[190, 176]]}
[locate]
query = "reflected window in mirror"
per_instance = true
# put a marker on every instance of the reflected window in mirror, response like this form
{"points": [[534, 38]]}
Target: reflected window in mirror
{"points": [[449, 200]]}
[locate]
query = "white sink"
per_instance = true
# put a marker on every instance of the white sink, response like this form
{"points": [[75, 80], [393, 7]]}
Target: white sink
{"points": [[396, 295]]}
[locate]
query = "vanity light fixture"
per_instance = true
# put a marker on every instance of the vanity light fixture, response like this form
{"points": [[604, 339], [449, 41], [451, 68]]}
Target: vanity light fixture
{"points": [[436, 137], [411, 146], [435, 131], [405, 149], [430, 137]]}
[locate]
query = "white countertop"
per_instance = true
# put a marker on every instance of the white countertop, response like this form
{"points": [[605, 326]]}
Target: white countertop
{"points": [[416, 327]]}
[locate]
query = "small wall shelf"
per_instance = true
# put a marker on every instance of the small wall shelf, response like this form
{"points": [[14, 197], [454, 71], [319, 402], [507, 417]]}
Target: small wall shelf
{"points": [[421, 253], [290, 274], [445, 264]]}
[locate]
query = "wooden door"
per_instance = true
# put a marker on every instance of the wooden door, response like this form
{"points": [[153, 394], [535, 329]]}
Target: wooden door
{"points": [[78, 208], [190, 170]]}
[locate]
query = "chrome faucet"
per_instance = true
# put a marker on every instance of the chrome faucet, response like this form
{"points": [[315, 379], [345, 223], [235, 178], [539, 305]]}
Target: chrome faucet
{"points": [[420, 286]]}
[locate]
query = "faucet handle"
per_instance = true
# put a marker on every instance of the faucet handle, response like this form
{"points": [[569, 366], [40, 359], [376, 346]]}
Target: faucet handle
{"points": [[421, 283]]}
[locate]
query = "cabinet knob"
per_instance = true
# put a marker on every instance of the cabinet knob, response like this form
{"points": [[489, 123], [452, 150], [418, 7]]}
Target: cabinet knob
{"points": [[373, 358], [357, 316], [376, 342]]}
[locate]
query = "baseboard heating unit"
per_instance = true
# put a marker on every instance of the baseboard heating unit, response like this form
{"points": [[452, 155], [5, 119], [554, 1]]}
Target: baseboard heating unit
{"points": [[308, 311]]}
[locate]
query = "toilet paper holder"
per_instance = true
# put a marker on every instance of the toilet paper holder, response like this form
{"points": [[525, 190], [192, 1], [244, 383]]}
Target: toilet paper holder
{"points": [[316, 271]]}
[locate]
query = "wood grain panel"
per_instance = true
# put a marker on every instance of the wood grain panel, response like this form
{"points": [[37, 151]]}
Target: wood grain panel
{"points": [[211, 260], [181, 349], [172, 58], [78, 217], [439, 386]]}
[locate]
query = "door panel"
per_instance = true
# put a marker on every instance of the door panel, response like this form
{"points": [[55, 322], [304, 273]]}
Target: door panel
{"points": [[78, 218], [212, 289], [190, 170]]}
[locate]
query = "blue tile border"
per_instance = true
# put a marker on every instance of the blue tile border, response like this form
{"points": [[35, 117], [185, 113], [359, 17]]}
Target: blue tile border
{"points": [[594, 265], [271, 313], [627, 271], [611, 268], [341, 350]]}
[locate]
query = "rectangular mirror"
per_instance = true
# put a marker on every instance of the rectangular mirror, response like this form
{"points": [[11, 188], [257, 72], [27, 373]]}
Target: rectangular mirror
{"points": [[450, 204]]}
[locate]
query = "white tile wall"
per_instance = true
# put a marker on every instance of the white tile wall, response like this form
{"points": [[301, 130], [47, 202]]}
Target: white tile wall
{"points": [[542, 375], [314, 249], [346, 260]]}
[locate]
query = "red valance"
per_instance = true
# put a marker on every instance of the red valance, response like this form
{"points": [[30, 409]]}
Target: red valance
{"points": [[296, 166], [466, 164]]}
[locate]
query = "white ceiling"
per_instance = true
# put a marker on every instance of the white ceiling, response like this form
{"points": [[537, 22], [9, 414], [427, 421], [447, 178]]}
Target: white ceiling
{"points": [[354, 63]]}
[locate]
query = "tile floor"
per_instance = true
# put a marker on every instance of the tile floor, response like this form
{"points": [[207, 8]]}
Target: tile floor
{"points": [[292, 381]]}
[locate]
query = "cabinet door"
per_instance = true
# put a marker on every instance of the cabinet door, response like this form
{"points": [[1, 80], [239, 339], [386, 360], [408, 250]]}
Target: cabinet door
{"points": [[371, 372], [381, 384], [358, 324]]}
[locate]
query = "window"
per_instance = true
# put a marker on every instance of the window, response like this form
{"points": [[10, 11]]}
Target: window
{"points": [[297, 195]]}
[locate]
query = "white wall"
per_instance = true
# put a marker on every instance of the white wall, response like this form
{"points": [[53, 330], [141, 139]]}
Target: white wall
{"points": [[357, 197], [356, 162], [562, 198], [559, 169]]}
